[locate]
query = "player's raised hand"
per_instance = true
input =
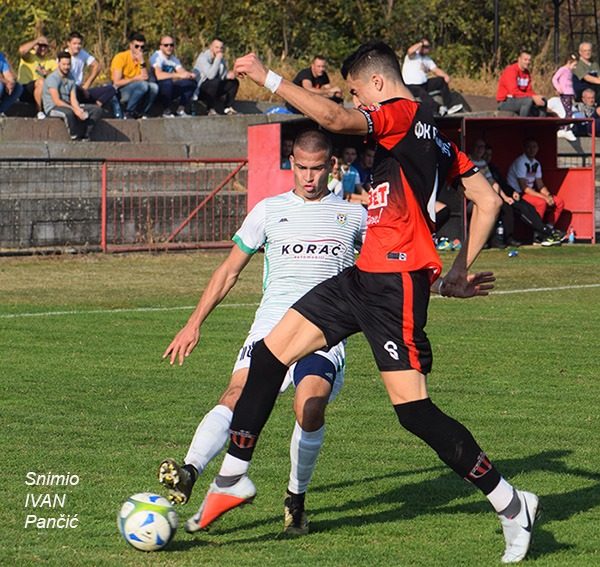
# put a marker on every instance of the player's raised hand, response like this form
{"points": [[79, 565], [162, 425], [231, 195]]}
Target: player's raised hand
{"points": [[183, 344], [467, 285], [252, 67]]}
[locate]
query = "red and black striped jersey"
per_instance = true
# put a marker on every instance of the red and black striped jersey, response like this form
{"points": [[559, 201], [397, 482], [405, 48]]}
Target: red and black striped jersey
{"points": [[412, 159]]}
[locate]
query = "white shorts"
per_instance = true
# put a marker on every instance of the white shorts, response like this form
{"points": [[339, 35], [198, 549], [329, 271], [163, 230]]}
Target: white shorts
{"points": [[336, 355]]}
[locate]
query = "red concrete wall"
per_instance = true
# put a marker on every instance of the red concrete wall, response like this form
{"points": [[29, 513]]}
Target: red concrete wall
{"points": [[265, 176]]}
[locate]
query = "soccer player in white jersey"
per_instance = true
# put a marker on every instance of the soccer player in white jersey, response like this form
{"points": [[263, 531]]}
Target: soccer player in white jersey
{"points": [[309, 235]]}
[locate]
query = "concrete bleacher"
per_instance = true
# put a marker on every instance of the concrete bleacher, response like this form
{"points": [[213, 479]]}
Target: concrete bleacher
{"points": [[23, 136], [166, 138]]}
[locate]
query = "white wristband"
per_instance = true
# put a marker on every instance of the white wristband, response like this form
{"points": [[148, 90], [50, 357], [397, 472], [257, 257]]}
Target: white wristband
{"points": [[273, 81]]}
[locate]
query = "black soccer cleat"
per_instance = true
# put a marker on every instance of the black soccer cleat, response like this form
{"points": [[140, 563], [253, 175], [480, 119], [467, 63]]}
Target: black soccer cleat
{"points": [[295, 521], [178, 480]]}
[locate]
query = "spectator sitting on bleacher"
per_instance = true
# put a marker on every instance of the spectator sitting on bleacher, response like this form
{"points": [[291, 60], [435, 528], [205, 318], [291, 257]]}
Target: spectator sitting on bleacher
{"points": [[415, 73], [82, 61], [215, 81], [130, 76], [562, 80], [175, 83], [498, 239], [587, 108], [542, 234], [287, 144], [60, 100], [525, 177], [10, 90], [316, 80], [515, 89], [364, 166], [586, 74], [35, 65], [334, 182], [350, 176]]}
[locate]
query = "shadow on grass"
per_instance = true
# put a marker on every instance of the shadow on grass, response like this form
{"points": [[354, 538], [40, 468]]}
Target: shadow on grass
{"points": [[435, 496]]}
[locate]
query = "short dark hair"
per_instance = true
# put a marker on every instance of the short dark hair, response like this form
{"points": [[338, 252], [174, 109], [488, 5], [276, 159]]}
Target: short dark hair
{"points": [[136, 36], [374, 56], [75, 35], [313, 141], [524, 49], [63, 55], [321, 57], [368, 147]]}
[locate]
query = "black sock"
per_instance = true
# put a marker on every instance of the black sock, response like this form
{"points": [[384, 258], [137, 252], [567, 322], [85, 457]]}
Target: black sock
{"points": [[256, 402], [294, 500], [192, 470], [451, 440]]}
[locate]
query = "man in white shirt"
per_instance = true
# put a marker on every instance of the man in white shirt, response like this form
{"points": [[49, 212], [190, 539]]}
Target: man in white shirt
{"points": [[85, 68], [415, 73], [525, 177], [175, 83], [309, 235]]}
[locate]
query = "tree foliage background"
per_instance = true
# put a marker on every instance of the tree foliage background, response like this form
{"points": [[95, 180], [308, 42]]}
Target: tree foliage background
{"points": [[462, 30]]}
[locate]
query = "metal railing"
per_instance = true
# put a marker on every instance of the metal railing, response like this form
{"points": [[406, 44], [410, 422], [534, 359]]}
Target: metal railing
{"points": [[116, 205], [171, 204]]}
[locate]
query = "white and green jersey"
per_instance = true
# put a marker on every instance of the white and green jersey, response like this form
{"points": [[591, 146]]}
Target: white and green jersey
{"points": [[305, 243]]}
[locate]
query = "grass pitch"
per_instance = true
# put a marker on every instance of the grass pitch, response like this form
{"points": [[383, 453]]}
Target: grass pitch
{"points": [[84, 391]]}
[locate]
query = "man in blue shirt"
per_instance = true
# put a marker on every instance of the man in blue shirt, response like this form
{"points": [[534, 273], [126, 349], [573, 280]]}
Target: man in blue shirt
{"points": [[10, 90]]}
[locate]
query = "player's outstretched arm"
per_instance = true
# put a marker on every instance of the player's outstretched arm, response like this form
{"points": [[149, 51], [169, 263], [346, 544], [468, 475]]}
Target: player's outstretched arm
{"points": [[486, 205], [219, 285], [332, 116]]}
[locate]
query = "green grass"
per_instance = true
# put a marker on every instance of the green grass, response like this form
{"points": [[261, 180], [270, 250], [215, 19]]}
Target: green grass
{"points": [[87, 393]]}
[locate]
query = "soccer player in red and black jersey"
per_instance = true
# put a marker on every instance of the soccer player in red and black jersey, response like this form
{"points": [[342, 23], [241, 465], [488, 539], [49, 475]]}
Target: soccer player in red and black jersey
{"points": [[385, 296]]}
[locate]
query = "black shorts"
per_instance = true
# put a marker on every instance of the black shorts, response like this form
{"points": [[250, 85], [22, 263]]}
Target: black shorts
{"points": [[390, 309]]}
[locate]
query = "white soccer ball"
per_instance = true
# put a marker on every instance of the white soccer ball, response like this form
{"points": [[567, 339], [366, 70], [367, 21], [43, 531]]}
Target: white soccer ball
{"points": [[147, 521]]}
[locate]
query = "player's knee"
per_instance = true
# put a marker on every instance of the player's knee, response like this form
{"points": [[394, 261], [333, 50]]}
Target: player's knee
{"points": [[310, 413], [415, 416]]}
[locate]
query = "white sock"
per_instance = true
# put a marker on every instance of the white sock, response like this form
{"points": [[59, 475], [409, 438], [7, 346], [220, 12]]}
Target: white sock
{"points": [[501, 496], [232, 466], [210, 437], [304, 450]]}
